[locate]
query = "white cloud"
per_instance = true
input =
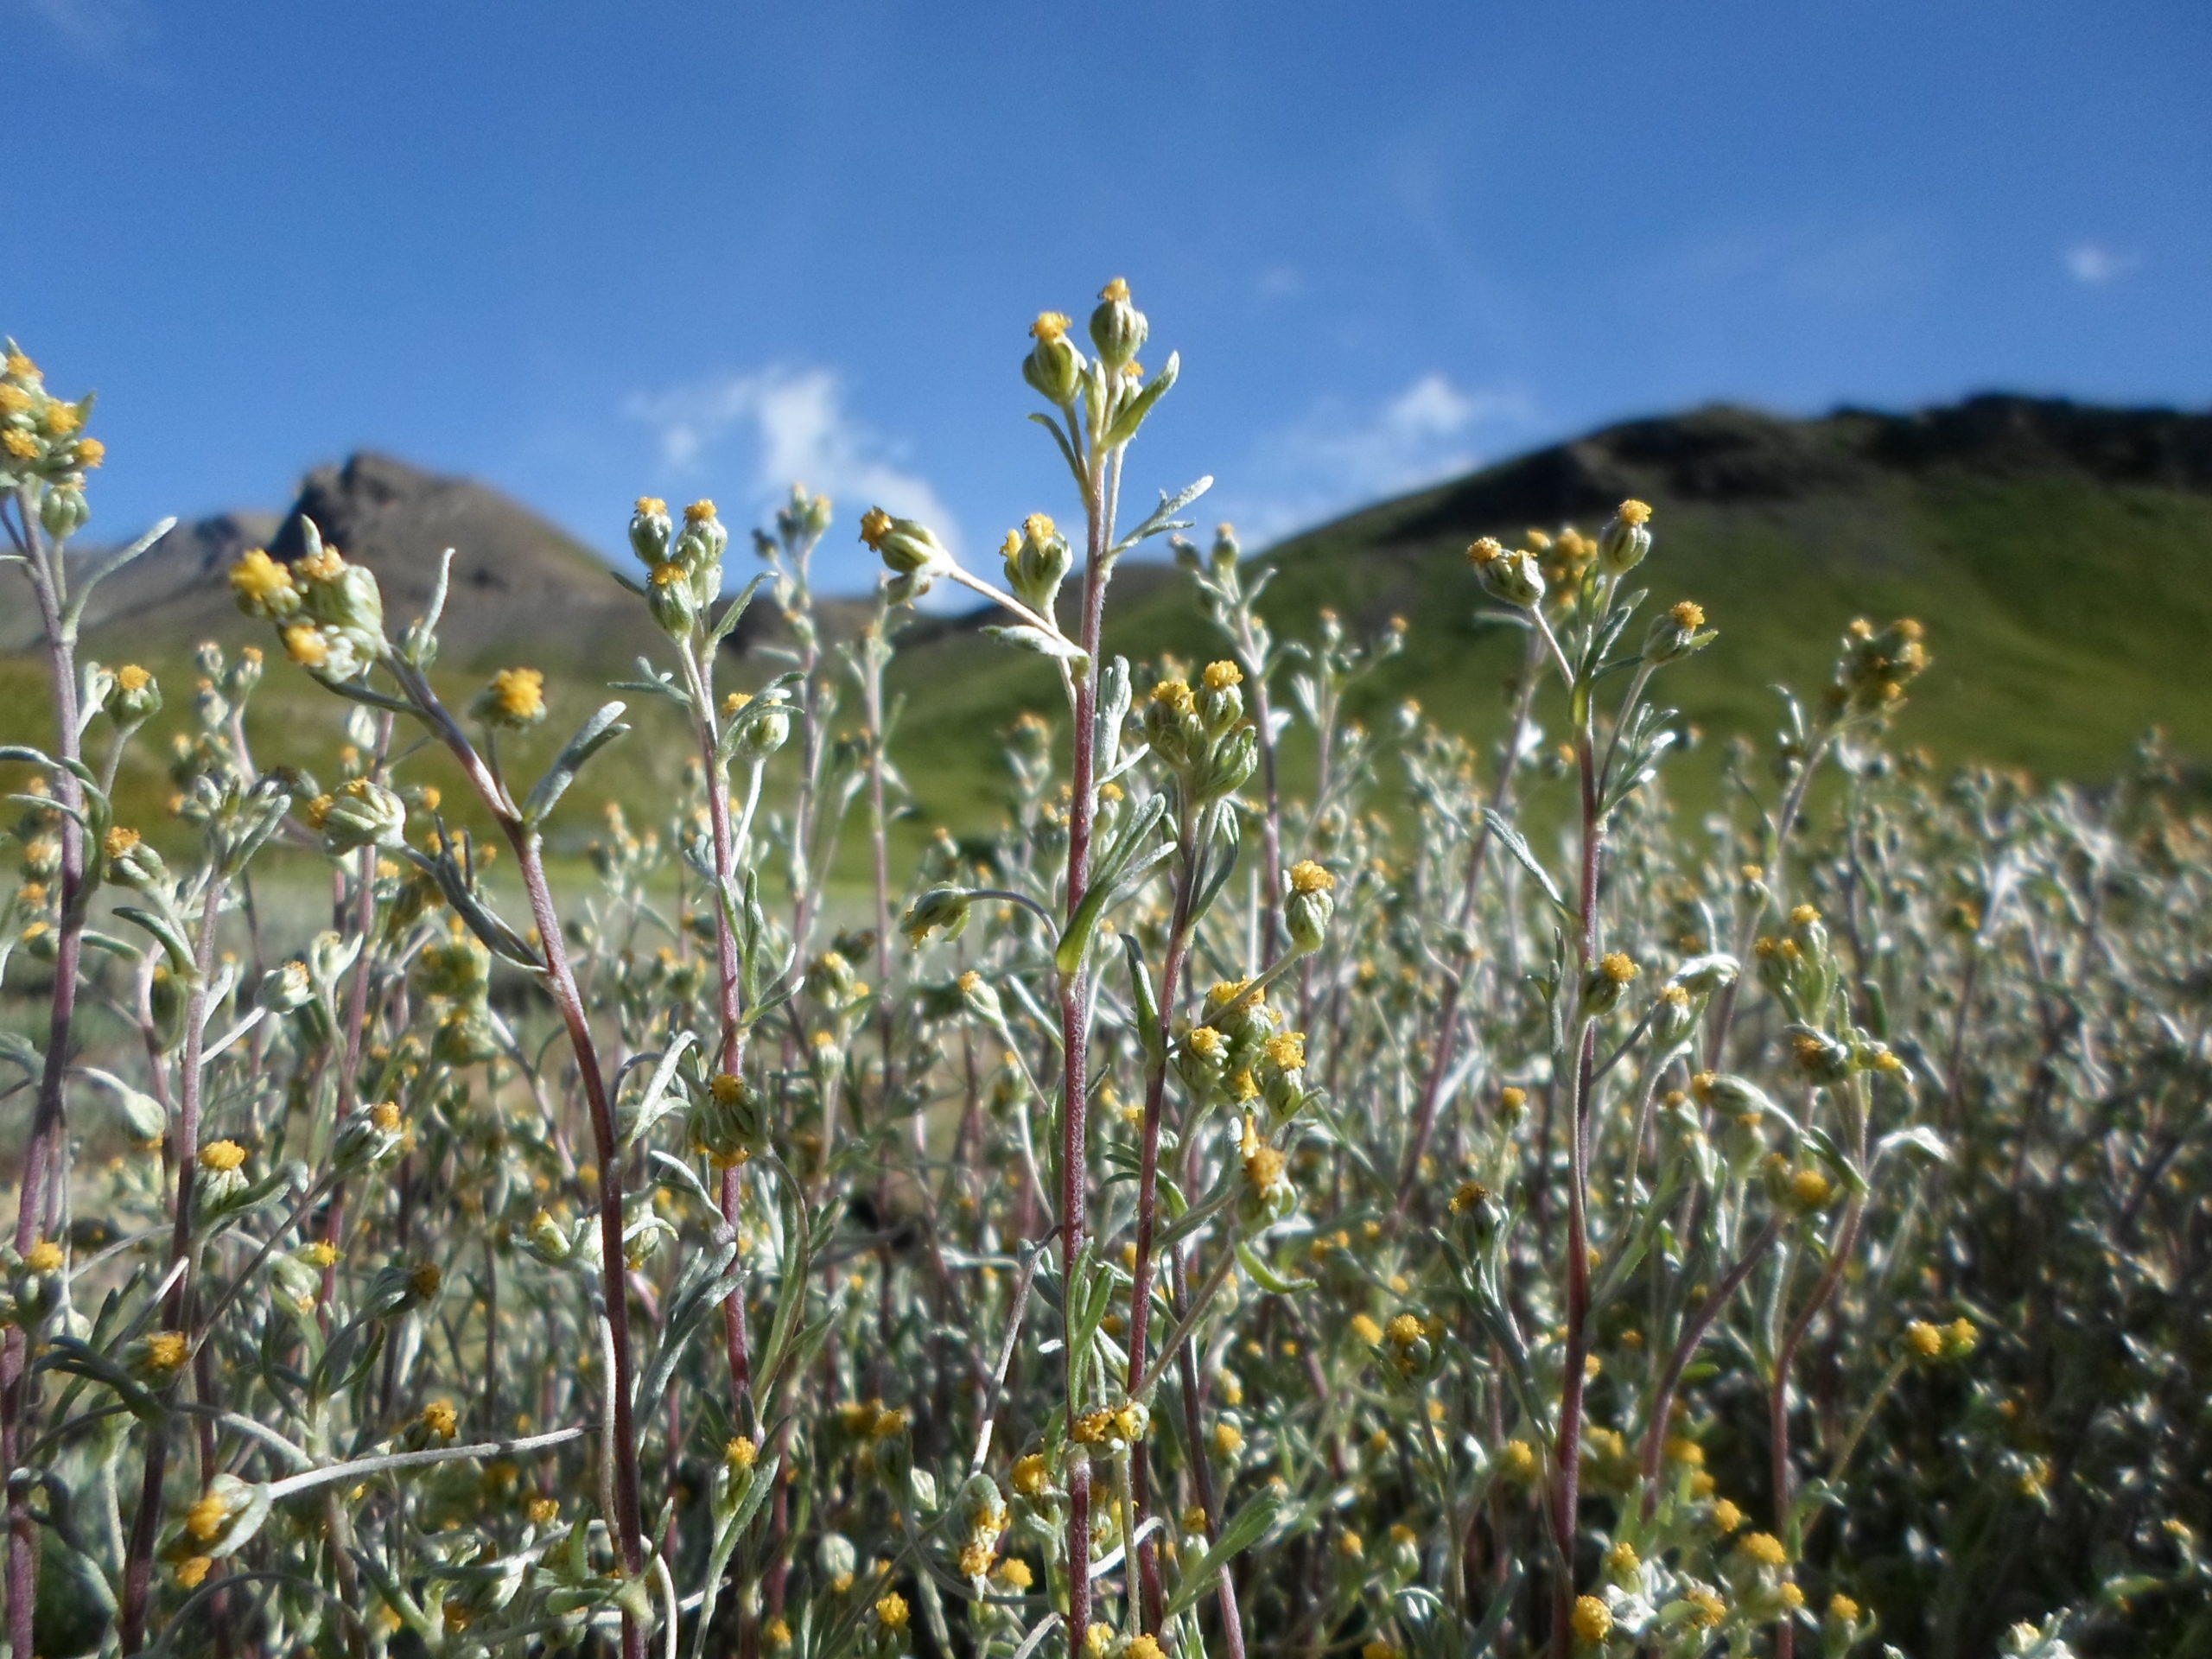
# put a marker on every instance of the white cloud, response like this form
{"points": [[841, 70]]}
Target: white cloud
{"points": [[2095, 263], [1338, 457], [96, 28], [794, 428]]}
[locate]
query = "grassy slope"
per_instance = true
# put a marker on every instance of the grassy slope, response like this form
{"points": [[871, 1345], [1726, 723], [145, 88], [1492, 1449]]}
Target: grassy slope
{"points": [[2065, 613], [2065, 616]]}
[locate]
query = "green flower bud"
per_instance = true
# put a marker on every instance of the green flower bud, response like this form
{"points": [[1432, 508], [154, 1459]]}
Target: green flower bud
{"points": [[1307, 911], [1054, 367], [133, 695], [64, 511], [940, 907], [700, 543], [1037, 561], [669, 597], [763, 727], [728, 1120], [1232, 765], [1220, 704], [371, 1137], [1675, 634], [363, 814], [457, 968], [131, 862], [907, 546], [1117, 328], [1511, 578], [1602, 987], [649, 530], [1623, 543], [285, 989]]}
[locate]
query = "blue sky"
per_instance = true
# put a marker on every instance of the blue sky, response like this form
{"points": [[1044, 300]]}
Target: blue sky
{"points": [[585, 250]]}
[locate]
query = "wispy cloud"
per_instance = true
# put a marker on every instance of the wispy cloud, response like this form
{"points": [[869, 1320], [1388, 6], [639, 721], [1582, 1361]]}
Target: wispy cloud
{"points": [[1339, 456], [787, 425], [96, 28], [1813, 261], [2095, 263]]}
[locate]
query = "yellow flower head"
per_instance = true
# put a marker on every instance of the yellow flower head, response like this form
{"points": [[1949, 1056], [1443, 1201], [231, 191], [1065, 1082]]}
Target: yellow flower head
{"points": [[891, 1612], [1219, 677], [975, 1559], [1843, 1610], [1031, 1476], [256, 579], [650, 506], [91, 452], [1706, 1610], [1405, 1331], [1593, 1620], [425, 1278], [1633, 512], [1208, 1042], [385, 1115], [21, 367], [1487, 550], [1175, 695], [1764, 1547], [192, 1572], [1014, 1573], [62, 419], [1618, 966], [304, 645], [544, 1511], [1050, 326], [1285, 1051], [1726, 1517], [698, 512], [1470, 1194], [1117, 291], [1923, 1339], [1227, 1440], [1306, 877], [1366, 1330], [222, 1157], [440, 1419], [45, 1256], [325, 565], [1622, 1560], [119, 840], [1810, 1188], [875, 524], [1518, 1459], [1145, 1646], [740, 1455], [1689, 613], [1512, 1097], [206, 1517], [667, 575], [20, 443], [167, 1350], [1039, 527], [519, 693]]}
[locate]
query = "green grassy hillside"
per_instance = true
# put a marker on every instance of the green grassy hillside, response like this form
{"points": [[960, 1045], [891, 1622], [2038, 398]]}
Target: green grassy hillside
{"points": [[2060, 557]]}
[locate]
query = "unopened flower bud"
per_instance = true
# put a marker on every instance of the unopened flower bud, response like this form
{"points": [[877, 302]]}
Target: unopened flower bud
{"points": [[1511, 578], [905, 545], [363, 814], [1623, 543], [1220, 704], [940, 907], [1676, 632], [1037, 561], [64, 511], [667, 596], [1310, 906], [649, 530], [1053, 366], [1117, 328]]}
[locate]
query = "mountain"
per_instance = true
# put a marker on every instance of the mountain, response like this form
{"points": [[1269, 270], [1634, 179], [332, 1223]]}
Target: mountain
{"points": [[2060, 554]]}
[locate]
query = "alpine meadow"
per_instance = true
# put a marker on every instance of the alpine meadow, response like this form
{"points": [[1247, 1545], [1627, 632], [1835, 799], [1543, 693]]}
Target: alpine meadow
{"points": [[1286, 1169]]}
